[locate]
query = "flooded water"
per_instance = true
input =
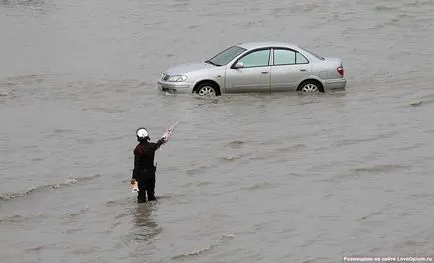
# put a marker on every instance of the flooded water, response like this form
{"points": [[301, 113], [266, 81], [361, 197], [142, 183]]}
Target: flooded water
{"points": [[245, 178]]}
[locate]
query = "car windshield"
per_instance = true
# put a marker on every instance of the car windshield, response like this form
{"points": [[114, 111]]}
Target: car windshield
{"points": [[226, 56], [313, 54]]}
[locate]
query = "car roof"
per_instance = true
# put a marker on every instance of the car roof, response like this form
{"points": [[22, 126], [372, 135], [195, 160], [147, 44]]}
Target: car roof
{"points": [[259, 44]]}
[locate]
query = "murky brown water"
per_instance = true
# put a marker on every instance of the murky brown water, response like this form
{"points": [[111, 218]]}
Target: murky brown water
{"points": [[246, 178]]}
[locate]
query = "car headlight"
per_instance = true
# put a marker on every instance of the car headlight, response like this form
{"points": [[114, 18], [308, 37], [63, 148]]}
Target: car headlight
{"points": [[177, 78]]}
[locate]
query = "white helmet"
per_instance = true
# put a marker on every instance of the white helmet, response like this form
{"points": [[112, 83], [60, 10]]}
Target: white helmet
{"points": [[142, 134]]}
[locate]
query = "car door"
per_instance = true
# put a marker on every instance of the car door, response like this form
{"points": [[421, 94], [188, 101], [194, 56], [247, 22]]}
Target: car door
{"points": [[288, 69], [253, 76]]}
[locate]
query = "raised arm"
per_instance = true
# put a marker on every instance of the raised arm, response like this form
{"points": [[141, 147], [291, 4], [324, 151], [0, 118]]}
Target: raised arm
{"points": [[160, 142]]}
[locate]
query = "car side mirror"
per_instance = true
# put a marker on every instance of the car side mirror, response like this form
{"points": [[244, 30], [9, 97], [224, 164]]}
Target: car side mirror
{"points": [[239, 65]]}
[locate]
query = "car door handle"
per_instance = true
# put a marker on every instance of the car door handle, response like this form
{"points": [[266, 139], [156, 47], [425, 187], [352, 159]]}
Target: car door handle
{"points": [[264, 72], [302, 69]]}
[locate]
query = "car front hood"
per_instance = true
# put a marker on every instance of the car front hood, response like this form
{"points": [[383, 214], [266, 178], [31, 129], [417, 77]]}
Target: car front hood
{"points": [[188, 68]]}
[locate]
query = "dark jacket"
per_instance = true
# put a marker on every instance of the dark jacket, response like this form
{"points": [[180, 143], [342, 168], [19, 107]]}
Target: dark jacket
{"points": [[144, 154]]}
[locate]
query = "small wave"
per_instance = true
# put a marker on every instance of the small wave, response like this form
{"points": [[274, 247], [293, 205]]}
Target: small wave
{"points": [[110, 203], [66, 183], [231, 157], [193, 171], [105, 110], [10, 196], [115, 224], [194, 253], [419, 3], [206, 100], [193, 26], [384, 8], [249, 24], [39, 6], [60, 130], [180, 5], [121, 215], [373, 138], [78, 213], [228, 236], [421, 102], [5, 92], [259, 186], [202, 183], [416, 104], [379, 168], [410, 147], [87, 141], [260, 157], [19, 218], [329, 195], [23, 79], [370, 215], [223, 238], [13, 218], [292, 148], [236, 143], [168, 196], [38, 248]]}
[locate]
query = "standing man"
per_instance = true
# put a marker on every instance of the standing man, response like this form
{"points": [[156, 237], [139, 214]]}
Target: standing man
{"points": [[144, 168]]}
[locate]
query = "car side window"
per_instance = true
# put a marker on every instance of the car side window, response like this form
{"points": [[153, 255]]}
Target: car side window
{"points": [[300, 59], [284, 57], [256, 59], [288, 57]]}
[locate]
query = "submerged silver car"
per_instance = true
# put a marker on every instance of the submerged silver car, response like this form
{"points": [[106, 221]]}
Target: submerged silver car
{"points": [[256, 67]]}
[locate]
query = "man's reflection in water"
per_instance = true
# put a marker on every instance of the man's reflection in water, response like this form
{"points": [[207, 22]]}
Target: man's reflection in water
{"points": [[146, 223]]}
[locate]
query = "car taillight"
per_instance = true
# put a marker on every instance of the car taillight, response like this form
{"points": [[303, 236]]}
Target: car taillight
{"points": [[341, 71]]}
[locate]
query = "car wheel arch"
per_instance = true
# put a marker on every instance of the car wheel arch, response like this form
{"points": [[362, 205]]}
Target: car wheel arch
{"points": [[211, 81], [311, 79]]}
